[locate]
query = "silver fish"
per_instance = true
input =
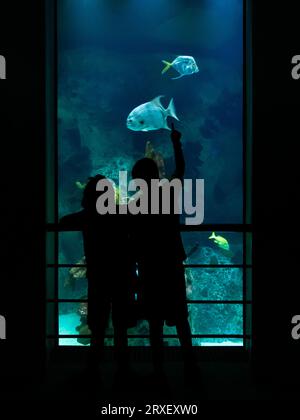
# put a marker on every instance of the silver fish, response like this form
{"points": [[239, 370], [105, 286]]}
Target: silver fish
{"points": [[151, 116], [184, 64]]}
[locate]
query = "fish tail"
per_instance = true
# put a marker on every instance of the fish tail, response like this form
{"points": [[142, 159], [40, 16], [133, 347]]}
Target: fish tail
{"points": [[213, 235], [167, 66], [171, 111]]}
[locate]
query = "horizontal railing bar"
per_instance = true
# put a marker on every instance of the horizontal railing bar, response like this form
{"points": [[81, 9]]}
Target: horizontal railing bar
{"points": [[164, 336], [185, 265], [217, 266], [52, 227], [65, 265], [211, 302], [220, 302], [217, 227]]}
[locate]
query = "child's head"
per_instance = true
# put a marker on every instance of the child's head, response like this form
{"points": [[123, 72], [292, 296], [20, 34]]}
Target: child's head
{"points": [[145, 169], [90, 194]]}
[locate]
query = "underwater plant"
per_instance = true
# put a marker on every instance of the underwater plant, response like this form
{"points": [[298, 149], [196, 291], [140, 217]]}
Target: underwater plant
{"points": [[151, 153]]}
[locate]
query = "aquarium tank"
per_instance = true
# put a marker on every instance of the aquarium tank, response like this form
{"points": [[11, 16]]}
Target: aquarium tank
{"points": [[112, 57]]}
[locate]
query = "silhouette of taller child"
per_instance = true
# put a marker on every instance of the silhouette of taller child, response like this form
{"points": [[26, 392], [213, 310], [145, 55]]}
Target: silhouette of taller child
{"points": [[110, 272], [160, 255]]}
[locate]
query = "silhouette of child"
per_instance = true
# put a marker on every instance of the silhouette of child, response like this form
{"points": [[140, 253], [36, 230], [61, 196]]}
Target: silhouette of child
{"points": [[110, 272], [160, 254]]}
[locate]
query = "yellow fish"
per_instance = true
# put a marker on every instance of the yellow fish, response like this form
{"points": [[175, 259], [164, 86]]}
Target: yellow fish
{"points": [[220, 241]]}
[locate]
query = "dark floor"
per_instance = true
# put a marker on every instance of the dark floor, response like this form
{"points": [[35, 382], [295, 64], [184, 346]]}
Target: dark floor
{"points": [[66, 384]]}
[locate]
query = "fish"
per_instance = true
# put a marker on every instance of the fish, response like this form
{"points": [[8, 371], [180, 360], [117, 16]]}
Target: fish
{"points": [[151, 116], [220, 241], [185, 65], [80, 185]]}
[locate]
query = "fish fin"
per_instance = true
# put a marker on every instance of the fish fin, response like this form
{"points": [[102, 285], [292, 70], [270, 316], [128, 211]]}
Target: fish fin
{"points": [[167, 127], [167, 66], [179, 77], [157, 102], [171, 111]]}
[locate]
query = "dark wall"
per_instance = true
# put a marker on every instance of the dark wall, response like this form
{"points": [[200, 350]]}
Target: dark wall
{"points": [[22, 185], [276, 249], [276, 211]]}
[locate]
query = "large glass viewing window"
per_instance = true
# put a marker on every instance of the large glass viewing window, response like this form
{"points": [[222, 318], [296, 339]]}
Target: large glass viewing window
{"points": [[108, 59]]}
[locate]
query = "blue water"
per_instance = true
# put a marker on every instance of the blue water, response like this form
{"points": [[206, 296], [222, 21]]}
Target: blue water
{"points": [[109, 62]]}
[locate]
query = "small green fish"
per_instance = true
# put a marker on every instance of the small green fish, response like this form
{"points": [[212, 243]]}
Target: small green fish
{"points": [[220, 241], [80, 185]]}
